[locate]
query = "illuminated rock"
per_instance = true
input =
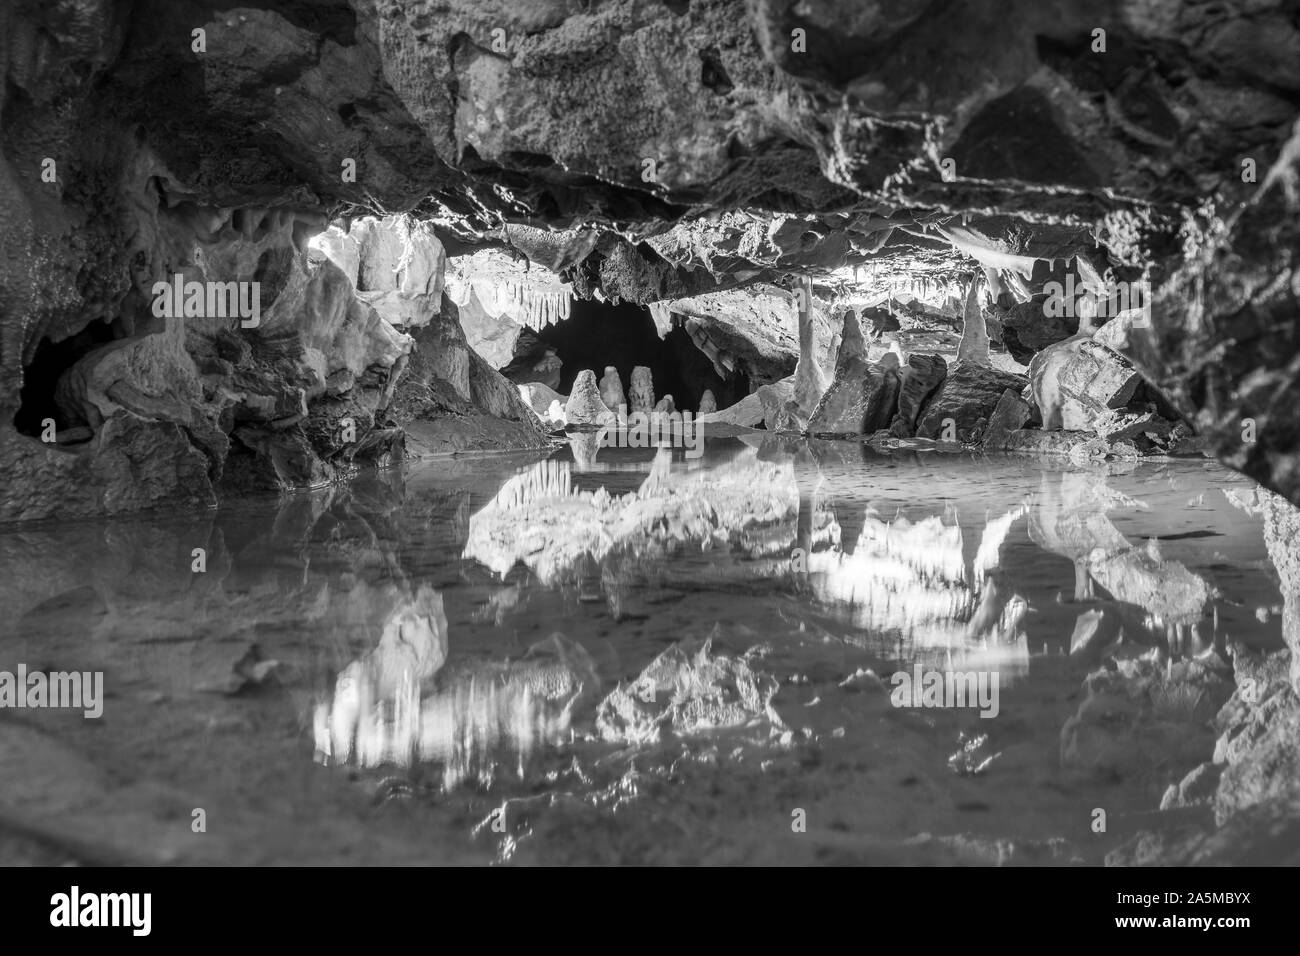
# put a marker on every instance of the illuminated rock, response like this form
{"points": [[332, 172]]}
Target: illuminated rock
{"points": [[641, 394], [611, 389], [585, 406]]}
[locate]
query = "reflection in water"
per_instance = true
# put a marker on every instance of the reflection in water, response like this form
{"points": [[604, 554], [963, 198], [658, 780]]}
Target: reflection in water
{"points": [[707, 632], [397, 705], [541, 520], [1144, 592]]}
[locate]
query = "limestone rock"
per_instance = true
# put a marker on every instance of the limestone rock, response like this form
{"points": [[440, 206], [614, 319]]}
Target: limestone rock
{"points": [[922, 377], [340, 248], [1131, 335], [1257, 732], [1121, 424], [708, 404], [1076, 380], [841, 409], [1010, 414], [748, 413], [884, 385], [974, 345], [967, 397], [397, 254], [881, 321], [584, 407], [496, 338], [286, 460], [665, 405], [401, 269], [535, 366], [611, 389], [1027, 329], [1281, 532], [809, 380], [774, 398], [642, 391], [545, 401], [132, 463]]}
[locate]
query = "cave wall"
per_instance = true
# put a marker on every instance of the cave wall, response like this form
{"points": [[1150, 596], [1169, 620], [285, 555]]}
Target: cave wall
{"points": [[529, 128]]}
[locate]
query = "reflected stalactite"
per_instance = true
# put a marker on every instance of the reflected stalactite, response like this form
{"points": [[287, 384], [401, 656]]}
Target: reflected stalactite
{"points": [[540, 519], [905, 583], [399, 705], [904, 579]]}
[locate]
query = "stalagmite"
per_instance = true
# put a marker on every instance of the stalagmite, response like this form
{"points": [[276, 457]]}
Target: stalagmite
{"points": [[665, 405], [611, 389], [843, 409], [708, 403], [642, 391], [974, 346], [585, 406], [809, 380]]}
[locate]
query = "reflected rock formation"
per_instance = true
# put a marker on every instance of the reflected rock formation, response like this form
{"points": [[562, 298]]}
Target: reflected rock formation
{"points": [[539, 518], [908, 582], [399, 705], [1068, 517], [686, 691]]}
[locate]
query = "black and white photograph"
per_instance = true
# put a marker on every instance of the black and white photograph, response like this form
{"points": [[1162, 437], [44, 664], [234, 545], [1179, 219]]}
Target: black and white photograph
{"points": [[650, 433]]}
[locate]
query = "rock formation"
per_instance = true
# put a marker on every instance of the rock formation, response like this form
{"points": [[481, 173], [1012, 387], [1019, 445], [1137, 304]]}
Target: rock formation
{"points": [[585, 406], [641, 394], [611, 389], [809, 380], [922, 377], [512, 212]]}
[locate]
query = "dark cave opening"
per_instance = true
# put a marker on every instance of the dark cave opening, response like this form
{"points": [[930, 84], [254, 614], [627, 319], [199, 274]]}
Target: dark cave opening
{"points": [[38, 398], [598, 334]]}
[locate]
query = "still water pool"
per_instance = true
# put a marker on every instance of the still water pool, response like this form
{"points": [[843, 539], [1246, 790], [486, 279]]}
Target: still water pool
{"points": [[780, 652]]}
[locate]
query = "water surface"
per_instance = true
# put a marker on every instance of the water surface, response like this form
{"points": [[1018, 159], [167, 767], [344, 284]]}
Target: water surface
{"points": [[448, 663]]}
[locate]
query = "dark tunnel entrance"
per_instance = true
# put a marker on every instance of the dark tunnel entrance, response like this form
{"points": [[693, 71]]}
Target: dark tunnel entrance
{"points": [[41, 378], [598, 334]]}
